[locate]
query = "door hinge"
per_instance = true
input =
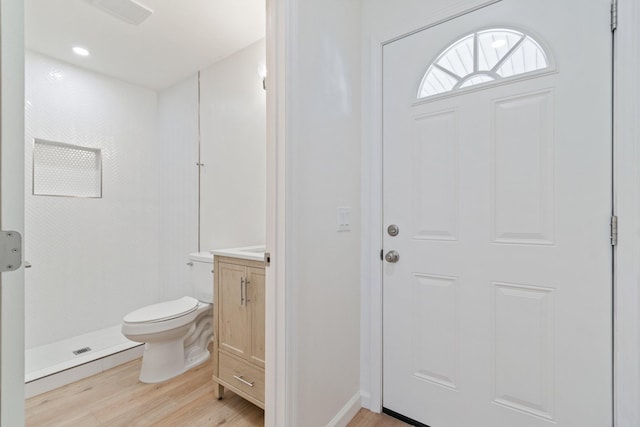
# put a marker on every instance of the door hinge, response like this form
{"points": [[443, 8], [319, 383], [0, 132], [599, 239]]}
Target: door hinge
{"points": [[614, 230], [10, 250], [267, 259], [614, 15]]}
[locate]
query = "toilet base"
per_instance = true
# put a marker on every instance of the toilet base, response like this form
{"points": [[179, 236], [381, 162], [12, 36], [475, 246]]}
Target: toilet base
{"points": [[156, 368], [162, 361]]}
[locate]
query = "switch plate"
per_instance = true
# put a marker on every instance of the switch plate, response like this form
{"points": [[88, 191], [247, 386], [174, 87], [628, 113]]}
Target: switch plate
{"points": [[343, 218]]}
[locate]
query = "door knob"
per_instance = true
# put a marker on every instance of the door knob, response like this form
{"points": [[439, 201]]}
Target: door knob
{"points": [[392, 256]]}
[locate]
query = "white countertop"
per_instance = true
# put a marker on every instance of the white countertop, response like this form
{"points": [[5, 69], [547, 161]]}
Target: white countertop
{"points": [[255, 253]]}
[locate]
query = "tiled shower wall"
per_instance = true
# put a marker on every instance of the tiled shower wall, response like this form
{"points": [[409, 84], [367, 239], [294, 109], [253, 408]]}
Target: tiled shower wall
{"points": [[178, 183], [94, 259], [233, 109]]}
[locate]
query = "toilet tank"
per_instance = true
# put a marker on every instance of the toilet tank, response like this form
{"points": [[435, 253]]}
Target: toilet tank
{"points": [[202, 276]]}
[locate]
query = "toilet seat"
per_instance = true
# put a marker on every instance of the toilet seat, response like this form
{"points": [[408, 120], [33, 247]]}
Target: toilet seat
{"points": [[163, 311]]}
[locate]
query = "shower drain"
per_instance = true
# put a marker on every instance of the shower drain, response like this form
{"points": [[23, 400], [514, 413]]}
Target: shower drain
{"points": [[81, 350]]}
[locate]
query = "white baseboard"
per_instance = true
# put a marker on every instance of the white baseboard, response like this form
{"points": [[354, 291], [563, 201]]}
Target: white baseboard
{"points": [[68, 376], [347, 413]]}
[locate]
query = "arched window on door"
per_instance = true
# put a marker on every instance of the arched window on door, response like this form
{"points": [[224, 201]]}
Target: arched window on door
{"points": [[482, 57]]}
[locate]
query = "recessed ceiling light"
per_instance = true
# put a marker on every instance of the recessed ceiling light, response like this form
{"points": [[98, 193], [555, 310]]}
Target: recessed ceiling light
{"points": [[80, 51], [498, 43]]}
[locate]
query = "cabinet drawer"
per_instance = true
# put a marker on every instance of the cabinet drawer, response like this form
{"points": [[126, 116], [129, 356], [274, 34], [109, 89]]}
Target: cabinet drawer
{"points": [[240, 374]]}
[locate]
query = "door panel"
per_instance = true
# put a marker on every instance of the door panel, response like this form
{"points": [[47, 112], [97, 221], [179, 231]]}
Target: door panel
{"points": [[435, 182], [256, 304], [498, 311], [522, 169]]}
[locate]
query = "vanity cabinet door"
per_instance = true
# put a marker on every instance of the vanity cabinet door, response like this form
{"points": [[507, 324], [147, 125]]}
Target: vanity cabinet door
{"points": [[234, 316], [255, 304]]}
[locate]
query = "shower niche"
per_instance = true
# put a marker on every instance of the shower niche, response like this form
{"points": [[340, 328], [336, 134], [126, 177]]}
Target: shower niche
{"points": [[66, 170]]}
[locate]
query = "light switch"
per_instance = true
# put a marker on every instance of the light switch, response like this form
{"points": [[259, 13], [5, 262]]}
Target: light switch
{"points": [[344, 218]]}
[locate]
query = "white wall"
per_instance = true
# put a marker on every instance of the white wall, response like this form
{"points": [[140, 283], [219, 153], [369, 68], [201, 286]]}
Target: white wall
{"points": [[233, 151], [93, 260], [178, 185], [323, 172], [233, 134]]}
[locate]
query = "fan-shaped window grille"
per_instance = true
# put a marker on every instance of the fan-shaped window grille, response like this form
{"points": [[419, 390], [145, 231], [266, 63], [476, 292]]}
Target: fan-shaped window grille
{"points": [[481, 57]]}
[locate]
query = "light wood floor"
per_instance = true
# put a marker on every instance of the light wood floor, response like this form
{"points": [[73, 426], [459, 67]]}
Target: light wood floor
{"points": [[116, 398], [369, 419]]}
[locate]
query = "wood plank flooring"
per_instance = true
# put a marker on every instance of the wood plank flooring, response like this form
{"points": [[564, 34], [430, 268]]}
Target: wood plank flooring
{"points": [[366, 418], [116, 398]]}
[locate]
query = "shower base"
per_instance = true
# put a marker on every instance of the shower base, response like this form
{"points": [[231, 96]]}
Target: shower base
{"points": [[53, 365]]}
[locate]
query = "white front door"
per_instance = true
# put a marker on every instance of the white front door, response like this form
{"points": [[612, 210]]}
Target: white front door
{"points": [[12, 209], [497, 173]]}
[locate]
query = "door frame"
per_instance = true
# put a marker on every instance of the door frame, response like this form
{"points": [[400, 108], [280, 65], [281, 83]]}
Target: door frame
{"points": [[12, 209], [279, 398], [626, 157], [626, 302]]}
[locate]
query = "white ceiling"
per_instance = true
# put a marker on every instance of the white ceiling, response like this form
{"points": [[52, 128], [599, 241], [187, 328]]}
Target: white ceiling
{"points": [[181, 37]]}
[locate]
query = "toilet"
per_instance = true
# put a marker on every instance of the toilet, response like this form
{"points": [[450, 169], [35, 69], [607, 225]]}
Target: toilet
{"points": [[176, 333]]}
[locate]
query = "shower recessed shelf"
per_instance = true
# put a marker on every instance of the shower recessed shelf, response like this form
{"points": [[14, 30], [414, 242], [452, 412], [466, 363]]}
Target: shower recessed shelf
{"points": [[66, 170]]}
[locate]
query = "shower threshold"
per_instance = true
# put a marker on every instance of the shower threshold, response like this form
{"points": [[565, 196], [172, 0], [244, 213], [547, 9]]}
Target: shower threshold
{"points": [[54, 365]]}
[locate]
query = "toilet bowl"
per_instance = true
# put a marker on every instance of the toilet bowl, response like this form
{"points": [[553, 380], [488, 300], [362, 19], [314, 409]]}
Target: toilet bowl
{"points": [[176, 333]]}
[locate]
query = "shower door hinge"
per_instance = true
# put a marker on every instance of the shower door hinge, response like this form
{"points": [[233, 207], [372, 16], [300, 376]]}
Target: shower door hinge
{"points": [[10, 250], [614, 230], [614, 15]]}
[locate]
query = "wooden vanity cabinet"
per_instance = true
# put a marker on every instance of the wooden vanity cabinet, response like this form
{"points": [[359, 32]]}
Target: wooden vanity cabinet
{"points": [[238, 319]]}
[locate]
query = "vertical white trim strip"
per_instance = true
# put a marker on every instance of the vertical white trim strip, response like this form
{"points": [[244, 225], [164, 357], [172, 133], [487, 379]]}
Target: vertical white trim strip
{"points": [[12, 209], [278, 402], [371, 313], [627, 208]]}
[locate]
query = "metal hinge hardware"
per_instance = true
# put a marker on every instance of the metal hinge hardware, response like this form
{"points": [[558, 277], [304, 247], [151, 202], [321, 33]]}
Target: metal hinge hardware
{"points": [[10, 250], [614, 230], [614, 15]]}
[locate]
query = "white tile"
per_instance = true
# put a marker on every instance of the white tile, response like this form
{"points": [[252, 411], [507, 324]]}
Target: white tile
{"points": [[77, 285]]}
